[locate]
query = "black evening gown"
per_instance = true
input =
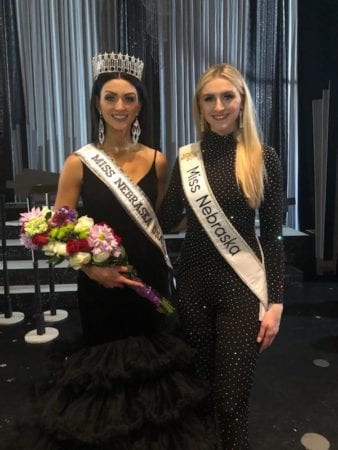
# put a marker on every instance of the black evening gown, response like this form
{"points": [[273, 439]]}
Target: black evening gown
{"points": [[131, 386]]}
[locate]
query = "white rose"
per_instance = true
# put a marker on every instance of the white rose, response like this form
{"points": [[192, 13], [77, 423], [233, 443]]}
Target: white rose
{"points": [[49, 249], [61, 249], [83, 222], [45, 210], [79, 259], [101, 257]]}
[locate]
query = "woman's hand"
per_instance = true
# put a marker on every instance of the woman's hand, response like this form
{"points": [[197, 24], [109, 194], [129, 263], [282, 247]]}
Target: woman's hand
{"points": [[270, 325], [110, 276]]}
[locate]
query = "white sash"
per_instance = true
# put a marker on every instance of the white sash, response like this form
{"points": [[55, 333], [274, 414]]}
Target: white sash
{"points": [[221, 232], [129, 194]]}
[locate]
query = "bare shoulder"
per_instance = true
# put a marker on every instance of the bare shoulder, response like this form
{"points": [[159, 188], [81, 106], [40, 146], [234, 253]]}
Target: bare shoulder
{"points": [[160, 157], [73, 166], [161, 165], [72, 169], [73, 161], [150, 154], [69, 182]]}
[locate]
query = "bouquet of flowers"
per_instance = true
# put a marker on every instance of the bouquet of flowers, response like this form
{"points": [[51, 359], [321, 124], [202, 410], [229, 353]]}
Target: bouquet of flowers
{"points": [[63, 235]]}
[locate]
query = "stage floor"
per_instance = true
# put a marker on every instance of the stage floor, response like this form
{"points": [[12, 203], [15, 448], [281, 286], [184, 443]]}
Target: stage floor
{"points": [[295, 390]]}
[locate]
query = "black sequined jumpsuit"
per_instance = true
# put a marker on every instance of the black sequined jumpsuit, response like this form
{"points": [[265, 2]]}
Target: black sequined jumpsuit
{"points": [[219, 314]]}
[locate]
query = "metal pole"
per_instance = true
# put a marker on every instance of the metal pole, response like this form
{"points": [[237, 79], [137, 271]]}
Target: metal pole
{"points": [[52, 297], [8, 303], [39, 318]]}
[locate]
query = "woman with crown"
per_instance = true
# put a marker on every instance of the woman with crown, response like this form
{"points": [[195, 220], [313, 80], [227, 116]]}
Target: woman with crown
{"points": [[130, 387]]}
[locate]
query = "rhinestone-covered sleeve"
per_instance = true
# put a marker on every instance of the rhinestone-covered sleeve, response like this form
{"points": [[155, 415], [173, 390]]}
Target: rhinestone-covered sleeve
{"points": [[171, 210], [271, 221]]}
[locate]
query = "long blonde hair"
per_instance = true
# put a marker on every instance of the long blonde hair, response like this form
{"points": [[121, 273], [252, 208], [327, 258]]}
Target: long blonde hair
{"points": [[250, 170]]}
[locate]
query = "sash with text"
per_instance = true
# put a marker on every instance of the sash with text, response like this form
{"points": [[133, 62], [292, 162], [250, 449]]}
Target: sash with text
{"points": [[221, 232], [129, 194]]}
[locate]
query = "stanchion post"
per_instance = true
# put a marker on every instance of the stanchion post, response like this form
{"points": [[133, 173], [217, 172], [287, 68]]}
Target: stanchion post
{"points": [[42, 334], [9, 317], [8, 304]]}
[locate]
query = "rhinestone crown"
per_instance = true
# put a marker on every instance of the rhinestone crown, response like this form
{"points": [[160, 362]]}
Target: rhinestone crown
{"points": [[117, 62]]}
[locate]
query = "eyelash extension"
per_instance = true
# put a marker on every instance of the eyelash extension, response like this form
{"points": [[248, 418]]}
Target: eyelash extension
{"points": [[111, 98]]}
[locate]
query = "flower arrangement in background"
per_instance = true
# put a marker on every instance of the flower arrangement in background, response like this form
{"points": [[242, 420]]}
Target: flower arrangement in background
{"points": [[63, 235]]}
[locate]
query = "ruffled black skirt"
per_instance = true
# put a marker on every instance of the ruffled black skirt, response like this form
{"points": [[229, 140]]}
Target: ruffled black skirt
{"points": [[136, 393]]}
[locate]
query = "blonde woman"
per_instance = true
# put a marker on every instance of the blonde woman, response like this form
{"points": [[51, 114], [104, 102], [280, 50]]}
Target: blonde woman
{"points": [[229, 284]]}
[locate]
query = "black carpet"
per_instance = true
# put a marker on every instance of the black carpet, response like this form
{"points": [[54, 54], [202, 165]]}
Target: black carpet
{"points": [[296, 385], [293, 396]]}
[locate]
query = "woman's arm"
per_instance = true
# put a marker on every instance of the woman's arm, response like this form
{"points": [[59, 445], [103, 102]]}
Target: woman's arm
{"points": [[271, 224], [270, 325], [68, 194], [70, 182], [161, 172], [171, 210], [110, 276]]}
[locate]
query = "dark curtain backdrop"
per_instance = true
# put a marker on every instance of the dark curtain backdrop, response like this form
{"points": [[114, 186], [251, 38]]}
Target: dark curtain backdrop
{"points": [[266, 69], [318, 65], [267, 72], [12, 110], [266, 65], [136, 40]]}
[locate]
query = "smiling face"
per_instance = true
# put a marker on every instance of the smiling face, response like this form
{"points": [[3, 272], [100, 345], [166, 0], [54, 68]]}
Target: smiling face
{"points": [[220, 104], [119, 104]]}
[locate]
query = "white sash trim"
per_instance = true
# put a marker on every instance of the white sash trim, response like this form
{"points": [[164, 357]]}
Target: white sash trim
{"points": [[221, 232], [129, 194]]}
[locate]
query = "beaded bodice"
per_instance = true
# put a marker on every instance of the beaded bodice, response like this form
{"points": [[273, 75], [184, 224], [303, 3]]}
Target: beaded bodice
{"points": [[219, 156]]}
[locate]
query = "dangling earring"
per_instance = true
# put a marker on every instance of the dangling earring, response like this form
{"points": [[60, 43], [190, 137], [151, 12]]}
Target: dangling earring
{"points": [[101, 129], [201, 123], [241, 119], [135, 131]]}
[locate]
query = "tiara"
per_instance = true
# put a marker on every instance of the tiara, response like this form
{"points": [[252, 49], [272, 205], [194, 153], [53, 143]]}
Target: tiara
{"points": [[117, 62]]}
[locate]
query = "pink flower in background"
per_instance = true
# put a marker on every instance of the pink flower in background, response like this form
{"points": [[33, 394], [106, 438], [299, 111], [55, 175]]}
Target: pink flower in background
{"points": [[26, 241], [33, 213], [33, 224]]}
